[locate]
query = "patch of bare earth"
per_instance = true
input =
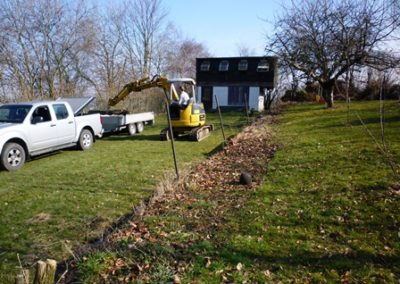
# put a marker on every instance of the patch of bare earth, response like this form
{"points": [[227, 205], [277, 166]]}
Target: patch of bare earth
{"points": [[191, 210]]}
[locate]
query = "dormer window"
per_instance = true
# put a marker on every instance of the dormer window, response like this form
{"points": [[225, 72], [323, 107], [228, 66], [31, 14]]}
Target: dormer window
{"points": [[243, 65], [263, 66], [224, 65], [205, 66]]}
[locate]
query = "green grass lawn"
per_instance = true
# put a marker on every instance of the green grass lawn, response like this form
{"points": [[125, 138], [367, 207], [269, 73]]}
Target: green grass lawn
{"points": [[327, 212], [68, 198]]}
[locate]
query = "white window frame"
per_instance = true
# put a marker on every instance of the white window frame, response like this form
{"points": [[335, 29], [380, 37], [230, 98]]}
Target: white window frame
{"points": [[243, 65], [263, 66], [223, 66], [205, 66]]}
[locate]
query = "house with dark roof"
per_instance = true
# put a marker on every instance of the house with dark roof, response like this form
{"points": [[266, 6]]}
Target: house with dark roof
{"points": [[236, 82]]}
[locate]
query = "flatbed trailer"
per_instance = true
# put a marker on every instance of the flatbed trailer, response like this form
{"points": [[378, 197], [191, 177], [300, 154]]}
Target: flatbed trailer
{"points": [[121, 121]]}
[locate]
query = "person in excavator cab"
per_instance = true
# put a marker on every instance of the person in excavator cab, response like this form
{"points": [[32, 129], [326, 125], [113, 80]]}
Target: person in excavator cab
{"points": [[183, 98], [181, 104]]}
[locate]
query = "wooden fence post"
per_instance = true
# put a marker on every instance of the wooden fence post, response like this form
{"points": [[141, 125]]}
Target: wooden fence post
{"points": [[22, 278], [45, 272]]}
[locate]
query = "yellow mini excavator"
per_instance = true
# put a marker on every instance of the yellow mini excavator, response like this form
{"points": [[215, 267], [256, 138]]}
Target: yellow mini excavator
{"points": [[189, 120]]}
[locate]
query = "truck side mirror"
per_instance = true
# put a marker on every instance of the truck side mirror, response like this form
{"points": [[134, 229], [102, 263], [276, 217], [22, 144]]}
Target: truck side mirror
{"points": [[37, 119]]}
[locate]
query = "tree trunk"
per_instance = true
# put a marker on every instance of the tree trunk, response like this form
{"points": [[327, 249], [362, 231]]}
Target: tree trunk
{"points": [[327, 93]]}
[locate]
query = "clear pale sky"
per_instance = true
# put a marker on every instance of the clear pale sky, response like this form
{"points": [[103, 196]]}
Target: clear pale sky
{"points": [[222, 25]]}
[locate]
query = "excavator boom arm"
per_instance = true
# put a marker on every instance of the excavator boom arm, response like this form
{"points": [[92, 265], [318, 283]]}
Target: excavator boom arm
{"points": [[140, 85]]}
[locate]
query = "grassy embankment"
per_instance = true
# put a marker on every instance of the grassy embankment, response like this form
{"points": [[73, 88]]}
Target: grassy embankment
{"points": [[68, 198], [328, 211]]}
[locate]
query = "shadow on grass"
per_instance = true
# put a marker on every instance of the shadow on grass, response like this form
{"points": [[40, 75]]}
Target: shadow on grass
{"points": [[142, 137], [302, 107], [381, 186], [39, 157], [355, 260], [7, 251], [366, 121], [375, 120], [139, 137]]}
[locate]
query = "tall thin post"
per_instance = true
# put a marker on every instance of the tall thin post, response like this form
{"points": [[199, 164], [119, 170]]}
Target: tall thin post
{"points": [[247, 108], [220, 120], [382, 112], [347, 96], [171, 136]]}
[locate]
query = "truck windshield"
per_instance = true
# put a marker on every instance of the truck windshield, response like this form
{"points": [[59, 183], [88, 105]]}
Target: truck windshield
{"points": [[14, 113]]}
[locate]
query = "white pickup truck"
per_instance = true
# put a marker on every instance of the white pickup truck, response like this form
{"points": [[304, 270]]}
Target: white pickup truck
{"points": [[34, 128]]}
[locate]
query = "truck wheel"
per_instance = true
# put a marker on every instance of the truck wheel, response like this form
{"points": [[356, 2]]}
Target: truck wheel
{"points": [[140, 127], [132, 129], [85, 140], [13, 157]]}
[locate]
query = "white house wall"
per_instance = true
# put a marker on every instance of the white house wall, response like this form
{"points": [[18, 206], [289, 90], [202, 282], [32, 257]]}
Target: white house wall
{"points": [[256, 101], [253, 98], [222, 94], [199, 94]]}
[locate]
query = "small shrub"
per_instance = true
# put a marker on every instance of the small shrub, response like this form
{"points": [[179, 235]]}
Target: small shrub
{"points": [[91, 268], [300, 95], [304, 96], [161, 272]]}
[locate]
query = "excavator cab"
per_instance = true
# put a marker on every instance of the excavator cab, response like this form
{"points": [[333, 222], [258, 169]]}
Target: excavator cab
{"points": [[187, 120]]}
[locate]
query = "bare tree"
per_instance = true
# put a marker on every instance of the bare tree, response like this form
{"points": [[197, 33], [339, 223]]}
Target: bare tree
{"points": [[44, 47], [165, 44], [143, 26], [323, 39], [245, 50], [109, 64], [182, 59], [53, 48]]}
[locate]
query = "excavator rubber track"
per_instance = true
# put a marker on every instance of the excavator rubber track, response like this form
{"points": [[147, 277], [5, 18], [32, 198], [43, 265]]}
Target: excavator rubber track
{"points": [[194, 134], [202, 132], [164, 135]]}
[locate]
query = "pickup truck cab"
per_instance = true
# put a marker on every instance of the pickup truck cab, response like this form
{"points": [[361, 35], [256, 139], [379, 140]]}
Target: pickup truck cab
{"points": [[34, 128]]}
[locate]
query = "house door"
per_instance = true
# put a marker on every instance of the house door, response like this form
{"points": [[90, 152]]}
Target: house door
{"points": [[207, 97]]}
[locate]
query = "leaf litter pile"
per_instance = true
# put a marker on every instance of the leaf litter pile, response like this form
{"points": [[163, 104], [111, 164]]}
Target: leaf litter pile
{"points": [[165, 240]]}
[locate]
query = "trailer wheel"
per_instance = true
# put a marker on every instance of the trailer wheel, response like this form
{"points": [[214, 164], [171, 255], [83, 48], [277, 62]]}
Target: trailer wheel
{"points": [[131, 129], [85, 140], [13, 157], [140, 127]]}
